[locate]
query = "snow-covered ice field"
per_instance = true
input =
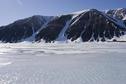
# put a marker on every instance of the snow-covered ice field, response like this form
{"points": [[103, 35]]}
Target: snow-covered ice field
{"points": [[71, 63]]}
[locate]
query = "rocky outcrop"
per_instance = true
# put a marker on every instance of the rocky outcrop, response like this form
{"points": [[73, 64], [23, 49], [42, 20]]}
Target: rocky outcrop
{"points": [[94, 25], [22, 29], [89, 25], [119, 13], [53, 29]]}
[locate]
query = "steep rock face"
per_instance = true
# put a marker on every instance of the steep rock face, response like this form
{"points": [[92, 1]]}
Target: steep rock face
{"points": [[22, 29], [89, 25], [93, 25], [117, 13], [125, 22], [53, 28]]}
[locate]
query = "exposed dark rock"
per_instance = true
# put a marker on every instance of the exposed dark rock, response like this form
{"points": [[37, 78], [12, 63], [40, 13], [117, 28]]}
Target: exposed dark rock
{"points": [[125, 22], [91, 25], [52, 30], [21, 29], [117, 13]]}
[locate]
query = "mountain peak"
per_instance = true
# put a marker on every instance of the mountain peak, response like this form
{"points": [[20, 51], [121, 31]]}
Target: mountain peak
{"points": [[88, 25]]}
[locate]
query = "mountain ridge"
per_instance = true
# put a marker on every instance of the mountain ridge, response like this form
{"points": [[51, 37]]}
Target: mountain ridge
{"points": [[89, 25]]}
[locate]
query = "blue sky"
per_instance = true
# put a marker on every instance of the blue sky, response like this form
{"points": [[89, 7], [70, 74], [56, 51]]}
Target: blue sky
{"points": [[11, 10]]}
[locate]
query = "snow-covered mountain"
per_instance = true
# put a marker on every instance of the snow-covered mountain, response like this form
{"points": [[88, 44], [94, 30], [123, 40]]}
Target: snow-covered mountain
{"points": [[87, 25], [22, 29], [119, 13]]}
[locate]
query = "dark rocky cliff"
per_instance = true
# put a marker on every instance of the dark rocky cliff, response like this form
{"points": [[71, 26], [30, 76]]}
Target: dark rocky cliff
{"points": [[90, 25]]}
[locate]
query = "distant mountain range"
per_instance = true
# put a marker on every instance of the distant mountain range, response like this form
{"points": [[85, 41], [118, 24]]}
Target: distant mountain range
{"points": [[87, 25]]}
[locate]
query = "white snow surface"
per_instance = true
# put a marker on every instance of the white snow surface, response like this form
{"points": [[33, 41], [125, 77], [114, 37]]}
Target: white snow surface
{"points": [[79, 12], [62, 36], [119, 22], [63, 63], [47, 20], [124, 18]]}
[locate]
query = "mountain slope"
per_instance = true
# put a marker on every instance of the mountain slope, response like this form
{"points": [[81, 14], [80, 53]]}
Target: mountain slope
{"points": [[88, 25], [119, 13], [22, 29], [94, 25]]}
